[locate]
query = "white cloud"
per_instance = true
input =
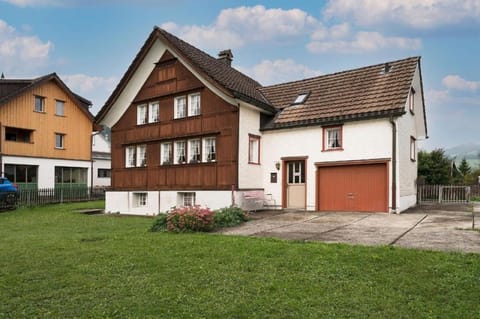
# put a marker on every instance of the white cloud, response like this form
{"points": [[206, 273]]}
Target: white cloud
{"points": [[236, 27], [417, 14], [339, 40], [94, 88], [278, 71], [456, 82], [21, 54]]}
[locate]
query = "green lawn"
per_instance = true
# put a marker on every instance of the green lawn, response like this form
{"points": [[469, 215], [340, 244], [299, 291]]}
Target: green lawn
{"points": [[61, 264]]}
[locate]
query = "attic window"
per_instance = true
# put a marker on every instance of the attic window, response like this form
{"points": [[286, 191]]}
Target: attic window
{"points": [[301, 98]]}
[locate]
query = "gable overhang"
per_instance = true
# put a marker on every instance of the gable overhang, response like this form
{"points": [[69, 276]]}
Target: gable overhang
{"points": [[419, 68], [79, 101], [142, 66], [335, 120]]}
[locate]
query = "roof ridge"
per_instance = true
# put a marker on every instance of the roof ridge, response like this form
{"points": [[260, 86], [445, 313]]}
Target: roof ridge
{"points": [[203, 52], [340, 72]]}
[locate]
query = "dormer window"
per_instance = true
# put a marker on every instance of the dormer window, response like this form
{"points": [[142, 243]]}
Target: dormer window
{"points": [[301, 98]]}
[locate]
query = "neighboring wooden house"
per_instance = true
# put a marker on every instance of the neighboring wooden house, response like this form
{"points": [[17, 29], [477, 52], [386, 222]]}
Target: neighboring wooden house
{"points": [[188, 128], [101, 159], [45, 133]]}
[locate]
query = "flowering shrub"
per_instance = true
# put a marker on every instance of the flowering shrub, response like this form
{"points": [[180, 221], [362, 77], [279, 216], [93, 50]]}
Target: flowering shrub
{"points": [[194, 218]]}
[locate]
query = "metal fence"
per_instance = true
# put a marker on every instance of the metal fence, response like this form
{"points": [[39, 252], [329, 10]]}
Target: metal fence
{"points": [[447, 193], [34, 197]]}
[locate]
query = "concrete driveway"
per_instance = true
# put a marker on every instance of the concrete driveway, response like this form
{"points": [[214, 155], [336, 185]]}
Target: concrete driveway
{"points": [[450, 228]]}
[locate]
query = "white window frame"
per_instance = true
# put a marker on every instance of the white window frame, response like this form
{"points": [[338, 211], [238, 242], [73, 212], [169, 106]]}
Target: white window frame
{"points": [[411, 100], [140, 199], [153, 112], [413, 149], [180, 150], [141, 155], [180, 109], [142, 114], [130, 156], [253, 149], [59, 108], [194, 105], [187, 199], [333, 139], [194, 150], [59, 141], [166, 153], [209, 145], [41, 100]]}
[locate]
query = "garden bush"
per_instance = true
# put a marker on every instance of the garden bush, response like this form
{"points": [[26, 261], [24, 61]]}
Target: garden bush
{"points": [[160, 223], [229, 216], [194, 218]]}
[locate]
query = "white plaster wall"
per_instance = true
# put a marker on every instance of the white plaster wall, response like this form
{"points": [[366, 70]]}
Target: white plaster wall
{"points": [[210, 199], [122, 202], [104, 181], [361, 140], [46, 168], [100, 144], [249, 124], [409, 125]]}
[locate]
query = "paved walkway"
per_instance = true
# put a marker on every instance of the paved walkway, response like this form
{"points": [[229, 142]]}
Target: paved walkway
{"points": [[423, 227]]}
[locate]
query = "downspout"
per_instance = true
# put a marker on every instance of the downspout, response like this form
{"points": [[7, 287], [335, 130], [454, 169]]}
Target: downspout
{"points": [[394, 165]]}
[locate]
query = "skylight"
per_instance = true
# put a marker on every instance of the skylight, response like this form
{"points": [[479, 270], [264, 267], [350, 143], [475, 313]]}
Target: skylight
{"points": [[301, 98]]}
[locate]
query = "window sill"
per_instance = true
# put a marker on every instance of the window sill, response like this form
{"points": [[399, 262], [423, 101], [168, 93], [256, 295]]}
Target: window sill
{"points": [[60, 148], [333, 149], [19, 142], [59, 115], [253, 163], [40, 112]]}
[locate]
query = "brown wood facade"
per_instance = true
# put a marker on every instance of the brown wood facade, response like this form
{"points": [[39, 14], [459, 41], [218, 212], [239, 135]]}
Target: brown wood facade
{"points": [[217, 119], [19, 115]]}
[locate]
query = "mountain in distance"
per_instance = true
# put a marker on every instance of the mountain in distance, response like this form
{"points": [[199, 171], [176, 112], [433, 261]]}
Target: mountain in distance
{"points": [[471, 152]]}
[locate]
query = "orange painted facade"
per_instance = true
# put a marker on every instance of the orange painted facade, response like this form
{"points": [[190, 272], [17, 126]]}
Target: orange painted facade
{"points": [[75, 125]]}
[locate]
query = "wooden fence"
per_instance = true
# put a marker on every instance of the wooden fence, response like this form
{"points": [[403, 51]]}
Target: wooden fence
{"points": [[447, 193], [34, 197]]}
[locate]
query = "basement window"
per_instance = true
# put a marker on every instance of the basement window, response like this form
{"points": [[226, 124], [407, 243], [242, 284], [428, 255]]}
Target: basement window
{"points": [[301, 98]]}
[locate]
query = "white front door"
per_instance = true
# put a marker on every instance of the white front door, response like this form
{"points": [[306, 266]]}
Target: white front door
{"points": [[295, 184]]}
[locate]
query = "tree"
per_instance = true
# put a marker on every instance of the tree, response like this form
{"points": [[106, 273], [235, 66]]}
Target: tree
{"points": [[435, 167], [464, 168]]}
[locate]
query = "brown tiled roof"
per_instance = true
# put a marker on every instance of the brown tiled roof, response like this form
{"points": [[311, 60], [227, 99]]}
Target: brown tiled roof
{"points": [[237, 83], [225, 77], [355, 94], [359, 93], [11, 88]]}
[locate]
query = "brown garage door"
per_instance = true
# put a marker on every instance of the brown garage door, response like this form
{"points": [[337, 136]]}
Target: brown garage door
{"points": [[353, 188]]}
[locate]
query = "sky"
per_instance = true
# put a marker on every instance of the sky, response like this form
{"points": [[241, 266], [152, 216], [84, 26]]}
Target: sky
{"points": [[91, 43]]}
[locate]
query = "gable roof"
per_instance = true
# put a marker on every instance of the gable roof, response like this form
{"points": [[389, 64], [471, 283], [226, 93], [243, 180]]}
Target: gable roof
{"points": [[216, 71], [354, 94], [11, 88], [361, 93]]}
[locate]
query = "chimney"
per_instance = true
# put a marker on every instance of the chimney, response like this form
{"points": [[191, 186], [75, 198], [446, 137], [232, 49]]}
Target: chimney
{"points": [[226, 56]]}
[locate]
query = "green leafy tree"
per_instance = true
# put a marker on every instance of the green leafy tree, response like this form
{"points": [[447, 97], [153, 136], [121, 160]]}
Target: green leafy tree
{"points": [[435, 167]]}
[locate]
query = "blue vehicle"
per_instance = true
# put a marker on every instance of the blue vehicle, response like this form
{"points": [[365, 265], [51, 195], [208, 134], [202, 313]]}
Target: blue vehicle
{"points": [[8, 193]]}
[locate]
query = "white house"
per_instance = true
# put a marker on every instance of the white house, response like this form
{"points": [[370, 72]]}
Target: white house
{"points": [[188, 128], [101, 159]]}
